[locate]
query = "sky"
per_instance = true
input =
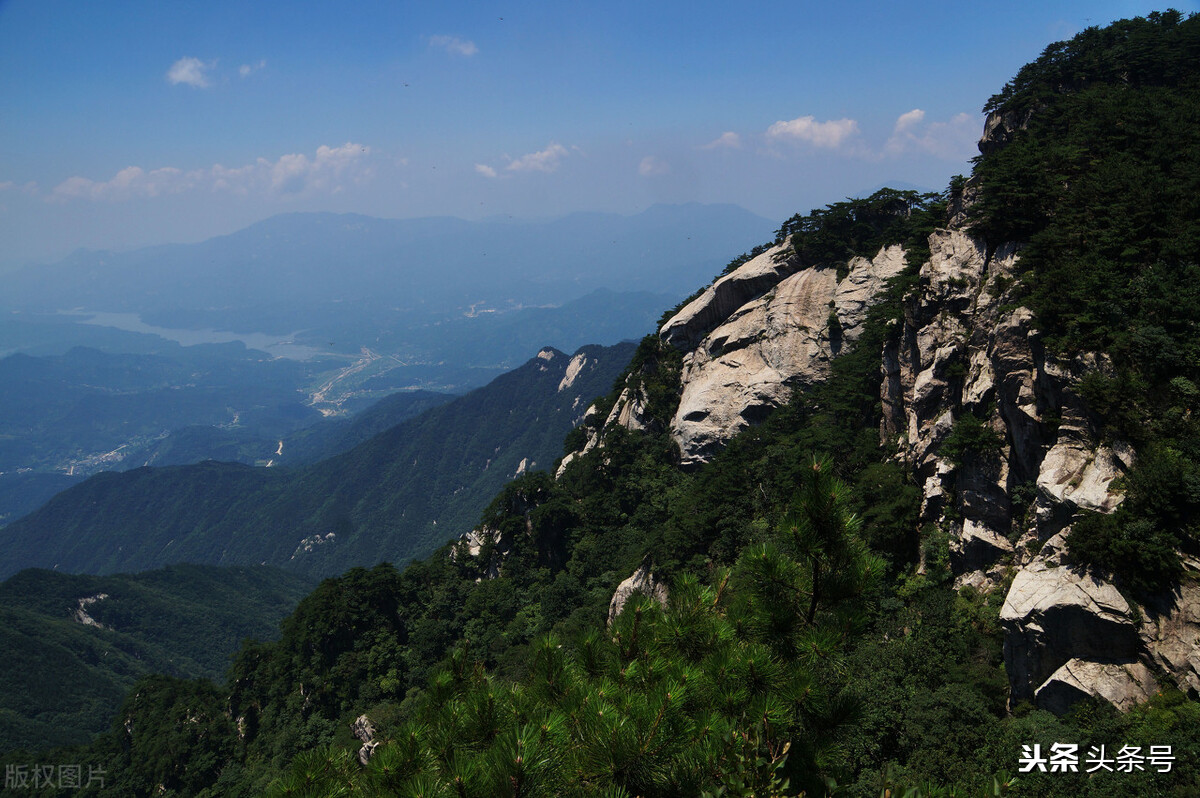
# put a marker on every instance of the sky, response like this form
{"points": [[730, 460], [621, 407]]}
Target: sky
{"points": [[126, 124]]}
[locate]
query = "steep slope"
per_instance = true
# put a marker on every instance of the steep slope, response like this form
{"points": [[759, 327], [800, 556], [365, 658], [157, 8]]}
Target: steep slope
{"points": [[75, 644], [1038, 374], [395, 496]]}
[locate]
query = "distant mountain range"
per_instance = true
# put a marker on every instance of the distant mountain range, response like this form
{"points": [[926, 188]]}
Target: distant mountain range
{"points": [[377, 305], [312, 271]]}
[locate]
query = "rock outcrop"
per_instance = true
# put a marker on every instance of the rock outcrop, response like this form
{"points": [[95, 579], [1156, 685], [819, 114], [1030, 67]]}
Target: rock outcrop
{"points": [[364, 730], [990, 426], [966, 355], [81, 615], [641, 581], [1056, 616], [760, 332], [1122, 684]]}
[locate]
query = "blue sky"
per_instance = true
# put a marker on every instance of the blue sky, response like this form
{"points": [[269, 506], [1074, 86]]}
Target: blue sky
{"points": [[124, 124]]}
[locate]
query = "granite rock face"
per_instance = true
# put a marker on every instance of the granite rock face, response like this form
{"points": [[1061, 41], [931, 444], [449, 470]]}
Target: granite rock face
{"points": [[1057, 615], [1122, 684], [364, 731], [641, 581], [965, 347], [743, 360], [964, 363]]}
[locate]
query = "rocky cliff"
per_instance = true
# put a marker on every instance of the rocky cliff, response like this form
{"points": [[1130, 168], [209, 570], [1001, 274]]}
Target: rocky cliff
{"points": [[762, 331], [989, 426], [965, 351]]}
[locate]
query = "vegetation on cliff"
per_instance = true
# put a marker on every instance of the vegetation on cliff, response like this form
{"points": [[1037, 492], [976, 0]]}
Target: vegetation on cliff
{"points": [[1097, 168]]}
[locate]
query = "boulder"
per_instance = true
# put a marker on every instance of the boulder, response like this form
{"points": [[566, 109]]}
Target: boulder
{"points": [[364, 730], [1055, 613], [1122, 684]]}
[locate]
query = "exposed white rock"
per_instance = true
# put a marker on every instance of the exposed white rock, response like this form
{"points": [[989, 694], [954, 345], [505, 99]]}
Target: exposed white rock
{"points": [[1122, 684], [1170, 632], [1055, 613], [641, 581], [80, 614], [364, 730], [720, 300], [470, 545], [976, 547], [573, 370], [629, 410], [1081, 475], [569, 458], [309, 544], [751, 359]]}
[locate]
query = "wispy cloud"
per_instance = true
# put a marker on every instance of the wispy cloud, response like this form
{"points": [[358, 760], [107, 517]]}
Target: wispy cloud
{"points": [[191, 72], [546, 160], [727, 140], [830, 134], [454, 45], [130, 182], [541, 161], [953, 139], [246, 70], [328, 170], [651, 166]]}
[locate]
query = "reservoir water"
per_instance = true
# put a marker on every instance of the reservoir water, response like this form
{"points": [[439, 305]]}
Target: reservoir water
{"points": [[274, 345]]}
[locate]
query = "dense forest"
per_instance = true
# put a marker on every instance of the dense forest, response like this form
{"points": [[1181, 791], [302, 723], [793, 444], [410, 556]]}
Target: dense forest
{"points": [[808, 637]]}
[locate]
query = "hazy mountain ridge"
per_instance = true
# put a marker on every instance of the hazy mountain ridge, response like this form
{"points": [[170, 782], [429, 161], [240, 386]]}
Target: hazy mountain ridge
{"points": [[397, 495], [294, 271]]}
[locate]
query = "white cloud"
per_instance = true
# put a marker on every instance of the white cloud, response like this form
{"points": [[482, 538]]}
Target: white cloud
{"points": [[330, 169], [454, 45], [246, 70], [953, 140], [191, 71], [296, 173], [908, 120], [651, 166], [130, 182], [7, 184], [830, 134], [485, 170], [727, 140], [542, 161]]}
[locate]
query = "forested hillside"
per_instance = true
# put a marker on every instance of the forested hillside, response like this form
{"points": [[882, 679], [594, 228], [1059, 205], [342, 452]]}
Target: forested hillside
{"points": [[75, 644], [965, 529]]}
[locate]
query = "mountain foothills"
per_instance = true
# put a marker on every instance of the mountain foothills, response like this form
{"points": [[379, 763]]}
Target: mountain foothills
{"points": [[396, 495], [902, 503]]}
